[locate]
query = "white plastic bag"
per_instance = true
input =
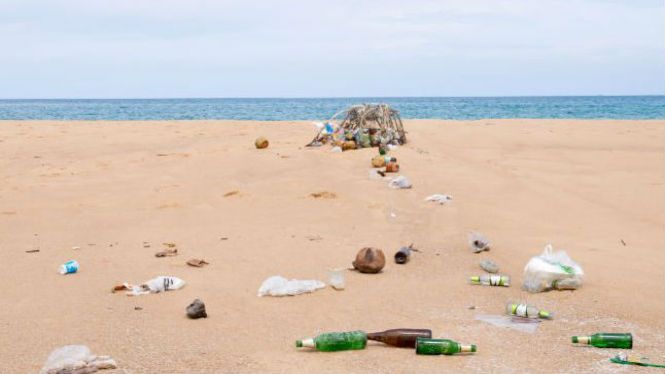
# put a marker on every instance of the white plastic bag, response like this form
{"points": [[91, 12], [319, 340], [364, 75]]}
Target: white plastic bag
{"points": [[70, 358], [552, 269], [399, 182], [280, 286]]}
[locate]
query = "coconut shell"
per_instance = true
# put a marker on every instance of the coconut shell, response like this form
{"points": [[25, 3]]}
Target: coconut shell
{"points": [[261, 142], [349, 144], [369, 260], [378, 162]]}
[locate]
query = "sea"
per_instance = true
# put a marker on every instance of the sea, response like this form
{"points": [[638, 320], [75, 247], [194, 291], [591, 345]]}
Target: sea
{"points": [[271, 109]]}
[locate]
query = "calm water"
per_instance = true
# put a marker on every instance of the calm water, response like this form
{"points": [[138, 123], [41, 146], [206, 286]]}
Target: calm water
{"points": [[615, 107]]}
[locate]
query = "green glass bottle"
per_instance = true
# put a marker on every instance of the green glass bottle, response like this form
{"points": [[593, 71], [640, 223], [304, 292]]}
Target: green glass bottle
{"points": [[441, 347], [335, 341], [606, 340]]}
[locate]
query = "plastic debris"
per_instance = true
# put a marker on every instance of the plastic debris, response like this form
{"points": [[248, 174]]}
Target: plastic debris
{"points": [[69, 267], [167, 253], [625, 359], [336, 149], [478, 242], [336, 279], [197, 309], [369, 260], [400, 182], [439, 198], [552, 269], [280, 286], [155, 285], [489, 265], [75, 359], [527, 325]]}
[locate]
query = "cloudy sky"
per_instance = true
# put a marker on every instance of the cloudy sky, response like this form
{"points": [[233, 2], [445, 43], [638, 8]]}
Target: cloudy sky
{"points": [[324, 48]]}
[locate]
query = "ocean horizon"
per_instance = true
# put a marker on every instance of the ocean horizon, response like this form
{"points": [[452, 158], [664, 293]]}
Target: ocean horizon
{"points": [[274, 109]]}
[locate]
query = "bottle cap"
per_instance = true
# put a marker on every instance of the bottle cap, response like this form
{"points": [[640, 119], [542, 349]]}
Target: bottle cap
{"points": [[474, 279], [544, 314], [298, 343]]}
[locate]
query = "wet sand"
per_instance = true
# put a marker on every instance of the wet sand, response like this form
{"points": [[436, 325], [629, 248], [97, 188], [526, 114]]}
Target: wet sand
{"points": [[593, 188]]}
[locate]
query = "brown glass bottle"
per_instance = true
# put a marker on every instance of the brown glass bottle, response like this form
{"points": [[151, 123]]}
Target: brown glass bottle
{"points": [[403, 338]]}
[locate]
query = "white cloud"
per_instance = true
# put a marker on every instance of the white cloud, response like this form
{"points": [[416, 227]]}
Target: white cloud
{"points": [[175, 48]]}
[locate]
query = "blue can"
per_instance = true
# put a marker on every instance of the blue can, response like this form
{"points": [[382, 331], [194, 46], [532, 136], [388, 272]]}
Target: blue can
{"points": [[69, 267]]}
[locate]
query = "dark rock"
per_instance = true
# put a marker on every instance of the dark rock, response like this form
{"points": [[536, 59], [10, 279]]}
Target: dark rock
{"points": [[197, 309]]}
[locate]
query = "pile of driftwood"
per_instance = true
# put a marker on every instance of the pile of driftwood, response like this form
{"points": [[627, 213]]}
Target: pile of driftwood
{"points": [[367, 125]]}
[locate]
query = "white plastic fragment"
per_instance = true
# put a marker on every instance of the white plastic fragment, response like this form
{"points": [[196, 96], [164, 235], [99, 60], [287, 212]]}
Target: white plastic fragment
{"points": [[478, 242], [336, 149], [160, 284], [72, 359], [280, 286], [528, 325], [439, 198], [400, 182]]}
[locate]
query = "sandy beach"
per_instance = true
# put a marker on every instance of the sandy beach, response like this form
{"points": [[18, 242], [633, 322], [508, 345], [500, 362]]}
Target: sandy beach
{"points": [[593, 188]]}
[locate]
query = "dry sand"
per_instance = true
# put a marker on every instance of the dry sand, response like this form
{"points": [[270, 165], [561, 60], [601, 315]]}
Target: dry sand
{"points": [[107, 187]]}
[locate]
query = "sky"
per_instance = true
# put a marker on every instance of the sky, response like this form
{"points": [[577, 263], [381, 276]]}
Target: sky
{"points": [[340, 48]]}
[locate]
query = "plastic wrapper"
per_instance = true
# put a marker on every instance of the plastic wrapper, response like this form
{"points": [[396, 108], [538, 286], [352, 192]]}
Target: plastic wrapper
{"points": [[552, 270], [280, 286]]}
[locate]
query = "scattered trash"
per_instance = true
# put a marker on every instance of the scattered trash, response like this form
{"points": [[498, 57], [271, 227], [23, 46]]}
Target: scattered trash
{"points": [[335, 341], [231, 193], [336, 279], [348, 145], [146, 245], [402, 338], [323, 195], [491, 280], [261, 142], [622, 242], [606, 340], [552, 269], [392, 167], [138, 308], [369, 260], [167, 252], [75, 359], [32, 251], [527, 311], [527, 325], [170, 245], [471, 307], [69, 267], [313, 238], [369, 125], [400, 182], [403, 255], [196, 309], [426, 346], [439, 198], [336, 149], [280, 286], [155, 285], [76, 248], [478, 242], [197, 262], [625, 359], [489, 265]]}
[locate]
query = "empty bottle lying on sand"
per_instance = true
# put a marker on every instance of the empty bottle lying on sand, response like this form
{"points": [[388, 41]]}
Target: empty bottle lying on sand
{"points": [[491, 280], [335, 341], [442, 347], [403, 338], [606, 340], [526, 310]]}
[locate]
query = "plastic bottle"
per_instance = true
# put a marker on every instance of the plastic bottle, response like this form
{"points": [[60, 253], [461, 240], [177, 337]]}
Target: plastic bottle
{"points": [[69, 267], [606, 340], [525, 310], [442, 347], [491, 280], [335, 341], [403, 338]]}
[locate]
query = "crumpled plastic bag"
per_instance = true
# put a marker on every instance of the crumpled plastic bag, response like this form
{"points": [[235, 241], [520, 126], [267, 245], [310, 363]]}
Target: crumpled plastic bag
{"points": [[399, 182], [160, 284], [552, 270], [478, 242], [439, 198], [280, 286], [75, 359]]}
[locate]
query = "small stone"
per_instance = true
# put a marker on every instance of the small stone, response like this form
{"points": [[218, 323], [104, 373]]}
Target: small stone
{"points": [[197, 309], [472, 307], [369, 260], [261, 142], [489, 265]]}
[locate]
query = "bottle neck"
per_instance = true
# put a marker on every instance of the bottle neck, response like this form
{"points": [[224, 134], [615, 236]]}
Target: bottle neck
{"points": [[583, 340], [309, 343]]}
